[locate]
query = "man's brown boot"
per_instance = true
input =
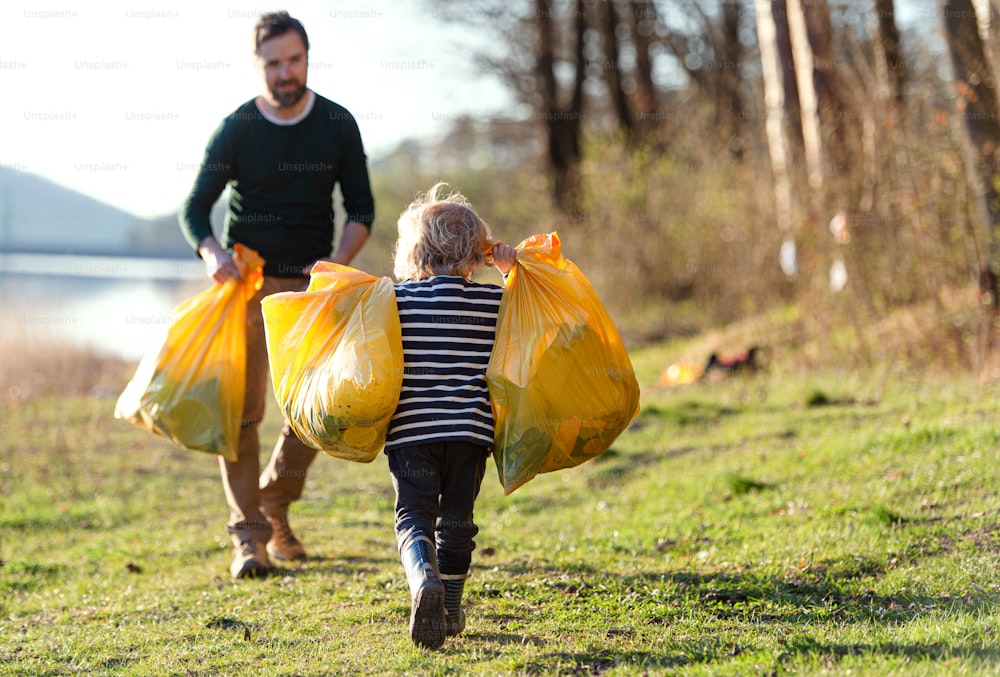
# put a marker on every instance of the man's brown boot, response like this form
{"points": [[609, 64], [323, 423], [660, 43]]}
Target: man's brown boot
{"points": [[250, 561], [283, 544]]}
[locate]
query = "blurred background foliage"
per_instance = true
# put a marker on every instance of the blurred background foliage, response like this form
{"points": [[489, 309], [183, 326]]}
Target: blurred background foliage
{"points": [[650, 135]]}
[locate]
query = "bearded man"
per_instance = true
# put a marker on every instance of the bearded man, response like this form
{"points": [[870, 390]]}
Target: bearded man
{"points": [[281, 155]]}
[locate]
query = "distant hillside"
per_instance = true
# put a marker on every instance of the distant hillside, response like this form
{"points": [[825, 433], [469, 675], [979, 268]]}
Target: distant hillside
{"points": [[162, 236], [37, 215]]}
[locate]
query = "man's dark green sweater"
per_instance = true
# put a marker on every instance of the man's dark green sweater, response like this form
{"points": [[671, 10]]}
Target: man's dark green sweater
{"points": [[281, 180]]}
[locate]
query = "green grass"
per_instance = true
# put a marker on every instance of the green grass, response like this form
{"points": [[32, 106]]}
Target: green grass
{"points": [[736, 529]]}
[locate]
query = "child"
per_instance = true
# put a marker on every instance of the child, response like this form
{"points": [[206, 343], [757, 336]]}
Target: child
{"points": [[442, 431]]}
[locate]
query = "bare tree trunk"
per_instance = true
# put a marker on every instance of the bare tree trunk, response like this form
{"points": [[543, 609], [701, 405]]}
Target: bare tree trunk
{"points": [[882, 90], [986, 18], [802, 56], [643, 28], [889, 41], [820, 30], [977, 101], [779, 17], [730, 102], [563, 123], [612, 72], [774, 101], [830, 97]]}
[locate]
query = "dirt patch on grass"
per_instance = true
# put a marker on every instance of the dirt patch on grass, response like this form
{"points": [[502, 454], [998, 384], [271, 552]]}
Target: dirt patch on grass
{"points": [[986, 538]]}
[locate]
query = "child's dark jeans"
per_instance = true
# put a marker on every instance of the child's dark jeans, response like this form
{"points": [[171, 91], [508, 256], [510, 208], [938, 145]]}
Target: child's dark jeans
{"points": [[436, 486]]}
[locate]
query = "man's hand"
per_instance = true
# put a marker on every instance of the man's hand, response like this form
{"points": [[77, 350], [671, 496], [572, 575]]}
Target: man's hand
{"points": [[219, 263]]}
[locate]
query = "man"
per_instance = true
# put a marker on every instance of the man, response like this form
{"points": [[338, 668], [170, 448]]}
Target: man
{"points": [[281, 154]]}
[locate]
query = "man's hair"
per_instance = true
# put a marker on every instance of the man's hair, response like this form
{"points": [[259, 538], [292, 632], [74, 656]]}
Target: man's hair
{"points": [[440, 234], [272, 24]]}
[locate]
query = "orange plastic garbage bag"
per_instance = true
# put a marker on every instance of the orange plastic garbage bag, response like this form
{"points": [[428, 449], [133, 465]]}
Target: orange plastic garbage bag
{"points": [[190, 385], [561, 383], [336, 354]]}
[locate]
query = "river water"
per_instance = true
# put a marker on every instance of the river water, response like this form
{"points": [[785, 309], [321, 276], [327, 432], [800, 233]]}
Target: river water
{"points": [[112, 305]]}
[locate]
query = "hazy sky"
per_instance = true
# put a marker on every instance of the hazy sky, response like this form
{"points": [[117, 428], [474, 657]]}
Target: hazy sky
{"points": [[117, 99]]}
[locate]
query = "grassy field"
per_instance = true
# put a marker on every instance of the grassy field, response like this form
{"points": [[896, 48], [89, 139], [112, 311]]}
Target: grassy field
{"points": [[765, 525]]}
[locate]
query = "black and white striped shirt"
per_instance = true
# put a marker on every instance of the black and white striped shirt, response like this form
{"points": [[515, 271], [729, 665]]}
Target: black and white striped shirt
{"points": [[449, 326]]}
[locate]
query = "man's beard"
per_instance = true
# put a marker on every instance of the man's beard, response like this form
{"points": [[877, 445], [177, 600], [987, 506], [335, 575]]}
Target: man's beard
{"points": [[288, 98]]}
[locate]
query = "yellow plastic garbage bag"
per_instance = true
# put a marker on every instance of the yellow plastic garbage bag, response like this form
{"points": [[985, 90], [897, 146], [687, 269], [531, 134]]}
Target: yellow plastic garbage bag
{"points": [[190, 385], [336, 354], [681, 373], [561, 383]]}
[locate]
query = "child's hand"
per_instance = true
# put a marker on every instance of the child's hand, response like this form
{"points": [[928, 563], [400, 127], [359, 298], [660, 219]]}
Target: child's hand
{"points": [[504, 257]]}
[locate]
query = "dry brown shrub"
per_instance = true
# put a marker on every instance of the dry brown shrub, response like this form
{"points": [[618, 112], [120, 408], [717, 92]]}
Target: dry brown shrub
{"points": [[32, 370]]}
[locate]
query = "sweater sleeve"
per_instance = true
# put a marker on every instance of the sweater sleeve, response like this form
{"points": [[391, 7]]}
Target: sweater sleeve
{"points": [[354, 183], [214, 173]]}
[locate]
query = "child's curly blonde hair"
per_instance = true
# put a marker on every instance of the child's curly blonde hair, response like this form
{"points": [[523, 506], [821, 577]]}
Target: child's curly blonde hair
{"points": [[440, 234]]}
